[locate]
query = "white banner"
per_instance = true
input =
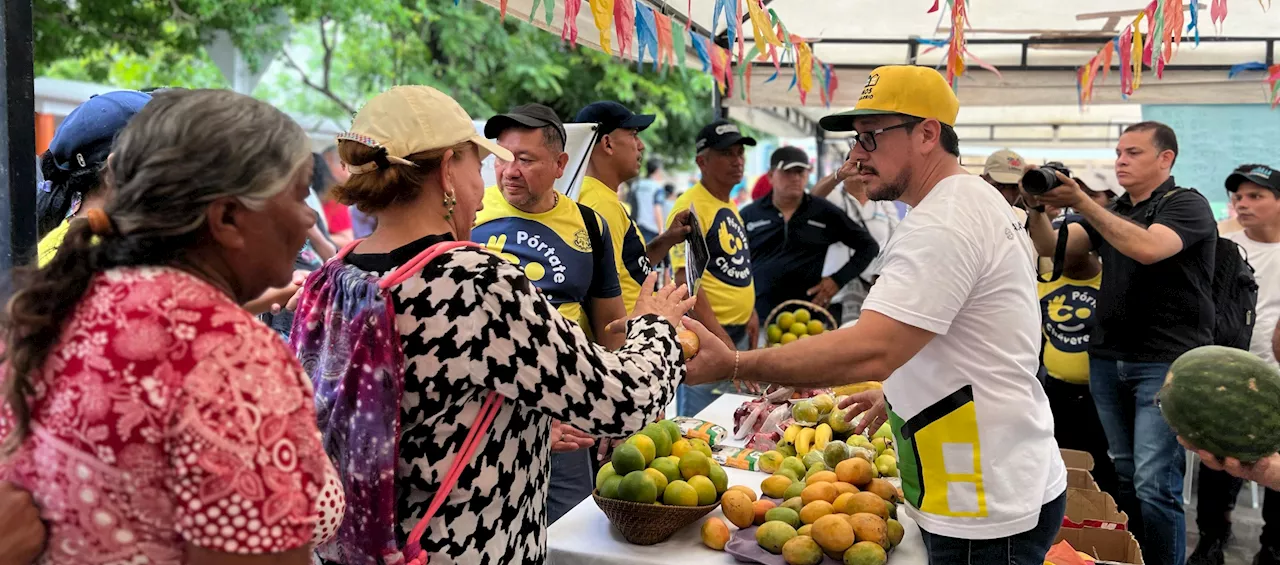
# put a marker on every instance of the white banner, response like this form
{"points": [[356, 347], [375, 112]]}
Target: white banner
{"points": [[581, 140]]}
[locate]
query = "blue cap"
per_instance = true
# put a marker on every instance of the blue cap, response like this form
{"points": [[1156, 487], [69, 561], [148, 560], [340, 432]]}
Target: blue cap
{"points": [[611, 115], [84, 138]]}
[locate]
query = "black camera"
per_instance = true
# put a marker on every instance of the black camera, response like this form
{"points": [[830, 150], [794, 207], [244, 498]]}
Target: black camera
{"points": [[1042, 180]]}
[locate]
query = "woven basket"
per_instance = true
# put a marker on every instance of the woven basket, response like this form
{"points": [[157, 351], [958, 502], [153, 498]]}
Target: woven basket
{"points": [[792, 305], [647, 524]]}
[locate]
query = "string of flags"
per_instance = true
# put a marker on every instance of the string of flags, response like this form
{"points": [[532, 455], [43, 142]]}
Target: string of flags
{"points": [[1152, 39], [644, 33]]}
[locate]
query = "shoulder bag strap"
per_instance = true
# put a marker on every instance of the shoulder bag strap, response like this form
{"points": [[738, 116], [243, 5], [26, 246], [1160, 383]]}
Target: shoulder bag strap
{"points": [[597, 243], [420, 260]]}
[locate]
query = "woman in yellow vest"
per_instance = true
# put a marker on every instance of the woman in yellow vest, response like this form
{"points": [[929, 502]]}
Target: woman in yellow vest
{"points": [[1067, 308]]}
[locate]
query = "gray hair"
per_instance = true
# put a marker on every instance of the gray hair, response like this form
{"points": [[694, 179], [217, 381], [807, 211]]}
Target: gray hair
{"points": [[188, 148]]}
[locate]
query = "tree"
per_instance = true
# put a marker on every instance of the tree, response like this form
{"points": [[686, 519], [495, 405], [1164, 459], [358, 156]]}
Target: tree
{"points": [[341, 53]]}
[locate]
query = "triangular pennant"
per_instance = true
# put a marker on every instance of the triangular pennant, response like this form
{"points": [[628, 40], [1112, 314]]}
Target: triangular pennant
{"points": [[624, 21], [550, 9], [700, 47], [677, 45], [666, 47], [646, 34], [569, 33], [602, 11]]}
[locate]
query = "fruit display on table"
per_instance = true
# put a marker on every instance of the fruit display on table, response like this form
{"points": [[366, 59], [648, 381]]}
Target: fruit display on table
{"points": [[848, 515], [1209, 388]]}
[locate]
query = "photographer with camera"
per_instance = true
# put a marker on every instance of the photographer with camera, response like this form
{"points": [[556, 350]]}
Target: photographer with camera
{"points": [[1157, 248]]}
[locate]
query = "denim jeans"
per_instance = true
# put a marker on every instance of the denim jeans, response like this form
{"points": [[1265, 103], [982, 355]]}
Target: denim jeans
{"points": [[691, 399], [1148, 459], [571, 482], [1026, 548]]}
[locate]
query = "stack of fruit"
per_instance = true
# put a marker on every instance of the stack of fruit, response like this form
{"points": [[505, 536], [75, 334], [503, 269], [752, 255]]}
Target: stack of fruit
{"points": [[791, 326], [820, 435], [659, 466], [846, 514]]}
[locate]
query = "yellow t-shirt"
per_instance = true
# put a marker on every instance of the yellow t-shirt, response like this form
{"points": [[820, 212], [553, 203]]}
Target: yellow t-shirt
{"points": [[48, 246], [629, 253], [554, 250], [728, 282], [1067, 308]]}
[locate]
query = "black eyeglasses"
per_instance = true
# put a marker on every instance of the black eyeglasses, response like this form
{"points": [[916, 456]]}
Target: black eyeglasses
{"points": [[868, 139]]}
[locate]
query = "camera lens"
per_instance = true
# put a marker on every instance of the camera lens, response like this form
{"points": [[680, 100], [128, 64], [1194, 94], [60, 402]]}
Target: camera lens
{"points": [[1040, 181]]}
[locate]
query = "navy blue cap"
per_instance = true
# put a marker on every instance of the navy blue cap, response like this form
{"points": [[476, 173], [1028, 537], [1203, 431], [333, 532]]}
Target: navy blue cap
{"points": [[1261, 175], [84, 138], [721, 134], [610, 115]]}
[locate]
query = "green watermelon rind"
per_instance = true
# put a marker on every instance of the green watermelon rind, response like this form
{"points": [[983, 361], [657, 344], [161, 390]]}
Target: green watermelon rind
{"points": [[1225, 401]]}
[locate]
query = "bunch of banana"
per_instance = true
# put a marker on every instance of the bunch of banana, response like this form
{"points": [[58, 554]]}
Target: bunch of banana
{"points": [[821, 436], [789, 436], [804, 441]]}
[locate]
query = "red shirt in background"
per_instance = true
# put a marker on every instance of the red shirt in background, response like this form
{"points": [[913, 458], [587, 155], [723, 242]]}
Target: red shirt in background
{"points": [[762, 187], [337, 216]]}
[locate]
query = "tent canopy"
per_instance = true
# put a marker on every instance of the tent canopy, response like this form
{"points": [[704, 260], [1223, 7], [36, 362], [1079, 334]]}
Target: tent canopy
{"points": [[1037, 46]]}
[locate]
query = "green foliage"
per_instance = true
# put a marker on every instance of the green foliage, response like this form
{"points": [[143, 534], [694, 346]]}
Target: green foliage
{"points": [[341, 53]]}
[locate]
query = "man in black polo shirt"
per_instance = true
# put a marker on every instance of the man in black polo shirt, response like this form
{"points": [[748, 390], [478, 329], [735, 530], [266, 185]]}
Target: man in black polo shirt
{"points": [[789, 232], [1157, 248]]}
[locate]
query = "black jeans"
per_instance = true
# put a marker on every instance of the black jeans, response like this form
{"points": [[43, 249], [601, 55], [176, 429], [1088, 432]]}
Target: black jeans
{"points": [[1217, 498], [1026, 548], [1076, 426]]}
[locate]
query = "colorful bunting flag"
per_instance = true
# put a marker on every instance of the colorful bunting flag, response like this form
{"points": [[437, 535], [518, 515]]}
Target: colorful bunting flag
{"points": [[1218, 13], [646, 34], [666, 48], [1273, 80], [729, 8], [624, 21], [602, 10], [700, 48], [677, 45], [550, 8], [763, 27], [804, 66], [720, 63], [569, 33]]}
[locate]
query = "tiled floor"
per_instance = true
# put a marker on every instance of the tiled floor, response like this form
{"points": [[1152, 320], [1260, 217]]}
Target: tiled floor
{"points": [[1246, 527]]}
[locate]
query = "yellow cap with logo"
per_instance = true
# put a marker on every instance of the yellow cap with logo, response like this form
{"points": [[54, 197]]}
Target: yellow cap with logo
{"points": [[900, 89]]}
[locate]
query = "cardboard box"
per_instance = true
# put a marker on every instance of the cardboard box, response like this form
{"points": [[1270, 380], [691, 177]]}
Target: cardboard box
{"points": [[1115, 546], [1095, 509], [1081, 479], [1077, 459]]}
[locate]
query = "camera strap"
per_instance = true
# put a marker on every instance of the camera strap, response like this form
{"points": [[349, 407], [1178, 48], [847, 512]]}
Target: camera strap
{"points": [[1059, 254]]}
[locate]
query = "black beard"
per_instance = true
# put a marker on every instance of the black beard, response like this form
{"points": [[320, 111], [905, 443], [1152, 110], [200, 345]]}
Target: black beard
{"points": [[891, 190]]}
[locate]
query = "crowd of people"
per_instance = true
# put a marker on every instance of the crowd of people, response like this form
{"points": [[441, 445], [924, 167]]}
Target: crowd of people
{"points": [[437, 365]]}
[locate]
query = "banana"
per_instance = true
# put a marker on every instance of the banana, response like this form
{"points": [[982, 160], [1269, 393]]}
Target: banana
{"points": [[821, 436], [855, 388], [792, 431], [804, 441]]}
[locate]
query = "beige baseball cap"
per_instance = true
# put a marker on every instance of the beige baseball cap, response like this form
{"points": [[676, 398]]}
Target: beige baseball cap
{"points": [[411, 119], [1005, 167]]}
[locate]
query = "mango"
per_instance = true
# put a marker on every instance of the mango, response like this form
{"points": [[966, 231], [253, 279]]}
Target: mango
{"points": [[855, 471], [794, 490], [835, 452], [796, 465], [813, 458], [789, 473], [814, 510], [761, 507], [833, 533], [774, 486], [718, 477], [770, 461], [794, 503], [715, 534], [884, 489], [823, 476], [744, 490], [783, 515], [894, 529], [773, 535], [869, 527], [841, 502], [819, 491], [801, 550], [867, 502], [804, 530], [845, 488], [738, 509], [865, 553]]}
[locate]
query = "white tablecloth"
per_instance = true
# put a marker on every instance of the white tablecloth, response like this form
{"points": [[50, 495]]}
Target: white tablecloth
{"points": [[585, 537]]}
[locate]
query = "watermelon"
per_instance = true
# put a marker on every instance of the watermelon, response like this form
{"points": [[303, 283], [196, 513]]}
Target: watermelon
{"points": [[1225, 401]]}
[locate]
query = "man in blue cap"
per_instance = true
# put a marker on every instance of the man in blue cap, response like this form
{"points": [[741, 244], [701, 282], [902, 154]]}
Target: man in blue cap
{"points": [[73, 164]]}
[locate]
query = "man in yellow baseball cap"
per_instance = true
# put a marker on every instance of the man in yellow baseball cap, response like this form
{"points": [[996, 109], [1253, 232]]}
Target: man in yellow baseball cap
{"points": [[951, 327]]}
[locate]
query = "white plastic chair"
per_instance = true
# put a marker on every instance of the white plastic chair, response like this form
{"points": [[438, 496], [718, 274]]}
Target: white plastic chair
{"points": [[1193, 461]]}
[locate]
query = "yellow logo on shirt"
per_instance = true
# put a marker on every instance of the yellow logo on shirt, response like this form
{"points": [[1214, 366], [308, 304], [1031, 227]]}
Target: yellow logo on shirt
{"points": [[582, 241]]}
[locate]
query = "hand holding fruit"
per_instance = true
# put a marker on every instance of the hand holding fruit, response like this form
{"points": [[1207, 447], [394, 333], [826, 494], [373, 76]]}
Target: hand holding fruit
{"points": [[1265, 471], [823, 292], [671, 302], [871, 404], [713, 360]]}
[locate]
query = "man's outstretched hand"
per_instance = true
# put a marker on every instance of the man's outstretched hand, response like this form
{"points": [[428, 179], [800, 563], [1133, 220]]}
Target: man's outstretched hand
{"points": [[871, 405], [1265, 471]]}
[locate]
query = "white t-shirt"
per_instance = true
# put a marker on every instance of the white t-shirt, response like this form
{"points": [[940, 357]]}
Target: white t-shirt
{"points": [[879, 219], [1265, 258], [973, 428]]}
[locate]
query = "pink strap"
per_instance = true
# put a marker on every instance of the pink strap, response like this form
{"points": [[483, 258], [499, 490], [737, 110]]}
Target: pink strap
{"points": [[346, 249], [420, 260], [479, 428]]}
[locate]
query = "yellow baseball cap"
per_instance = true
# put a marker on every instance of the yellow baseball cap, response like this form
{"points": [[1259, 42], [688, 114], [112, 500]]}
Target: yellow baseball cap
{"points": [[411, 119], [909, 90]]}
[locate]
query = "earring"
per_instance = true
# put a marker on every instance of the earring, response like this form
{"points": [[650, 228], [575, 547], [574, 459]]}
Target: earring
{"points": [[449, 203]]}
